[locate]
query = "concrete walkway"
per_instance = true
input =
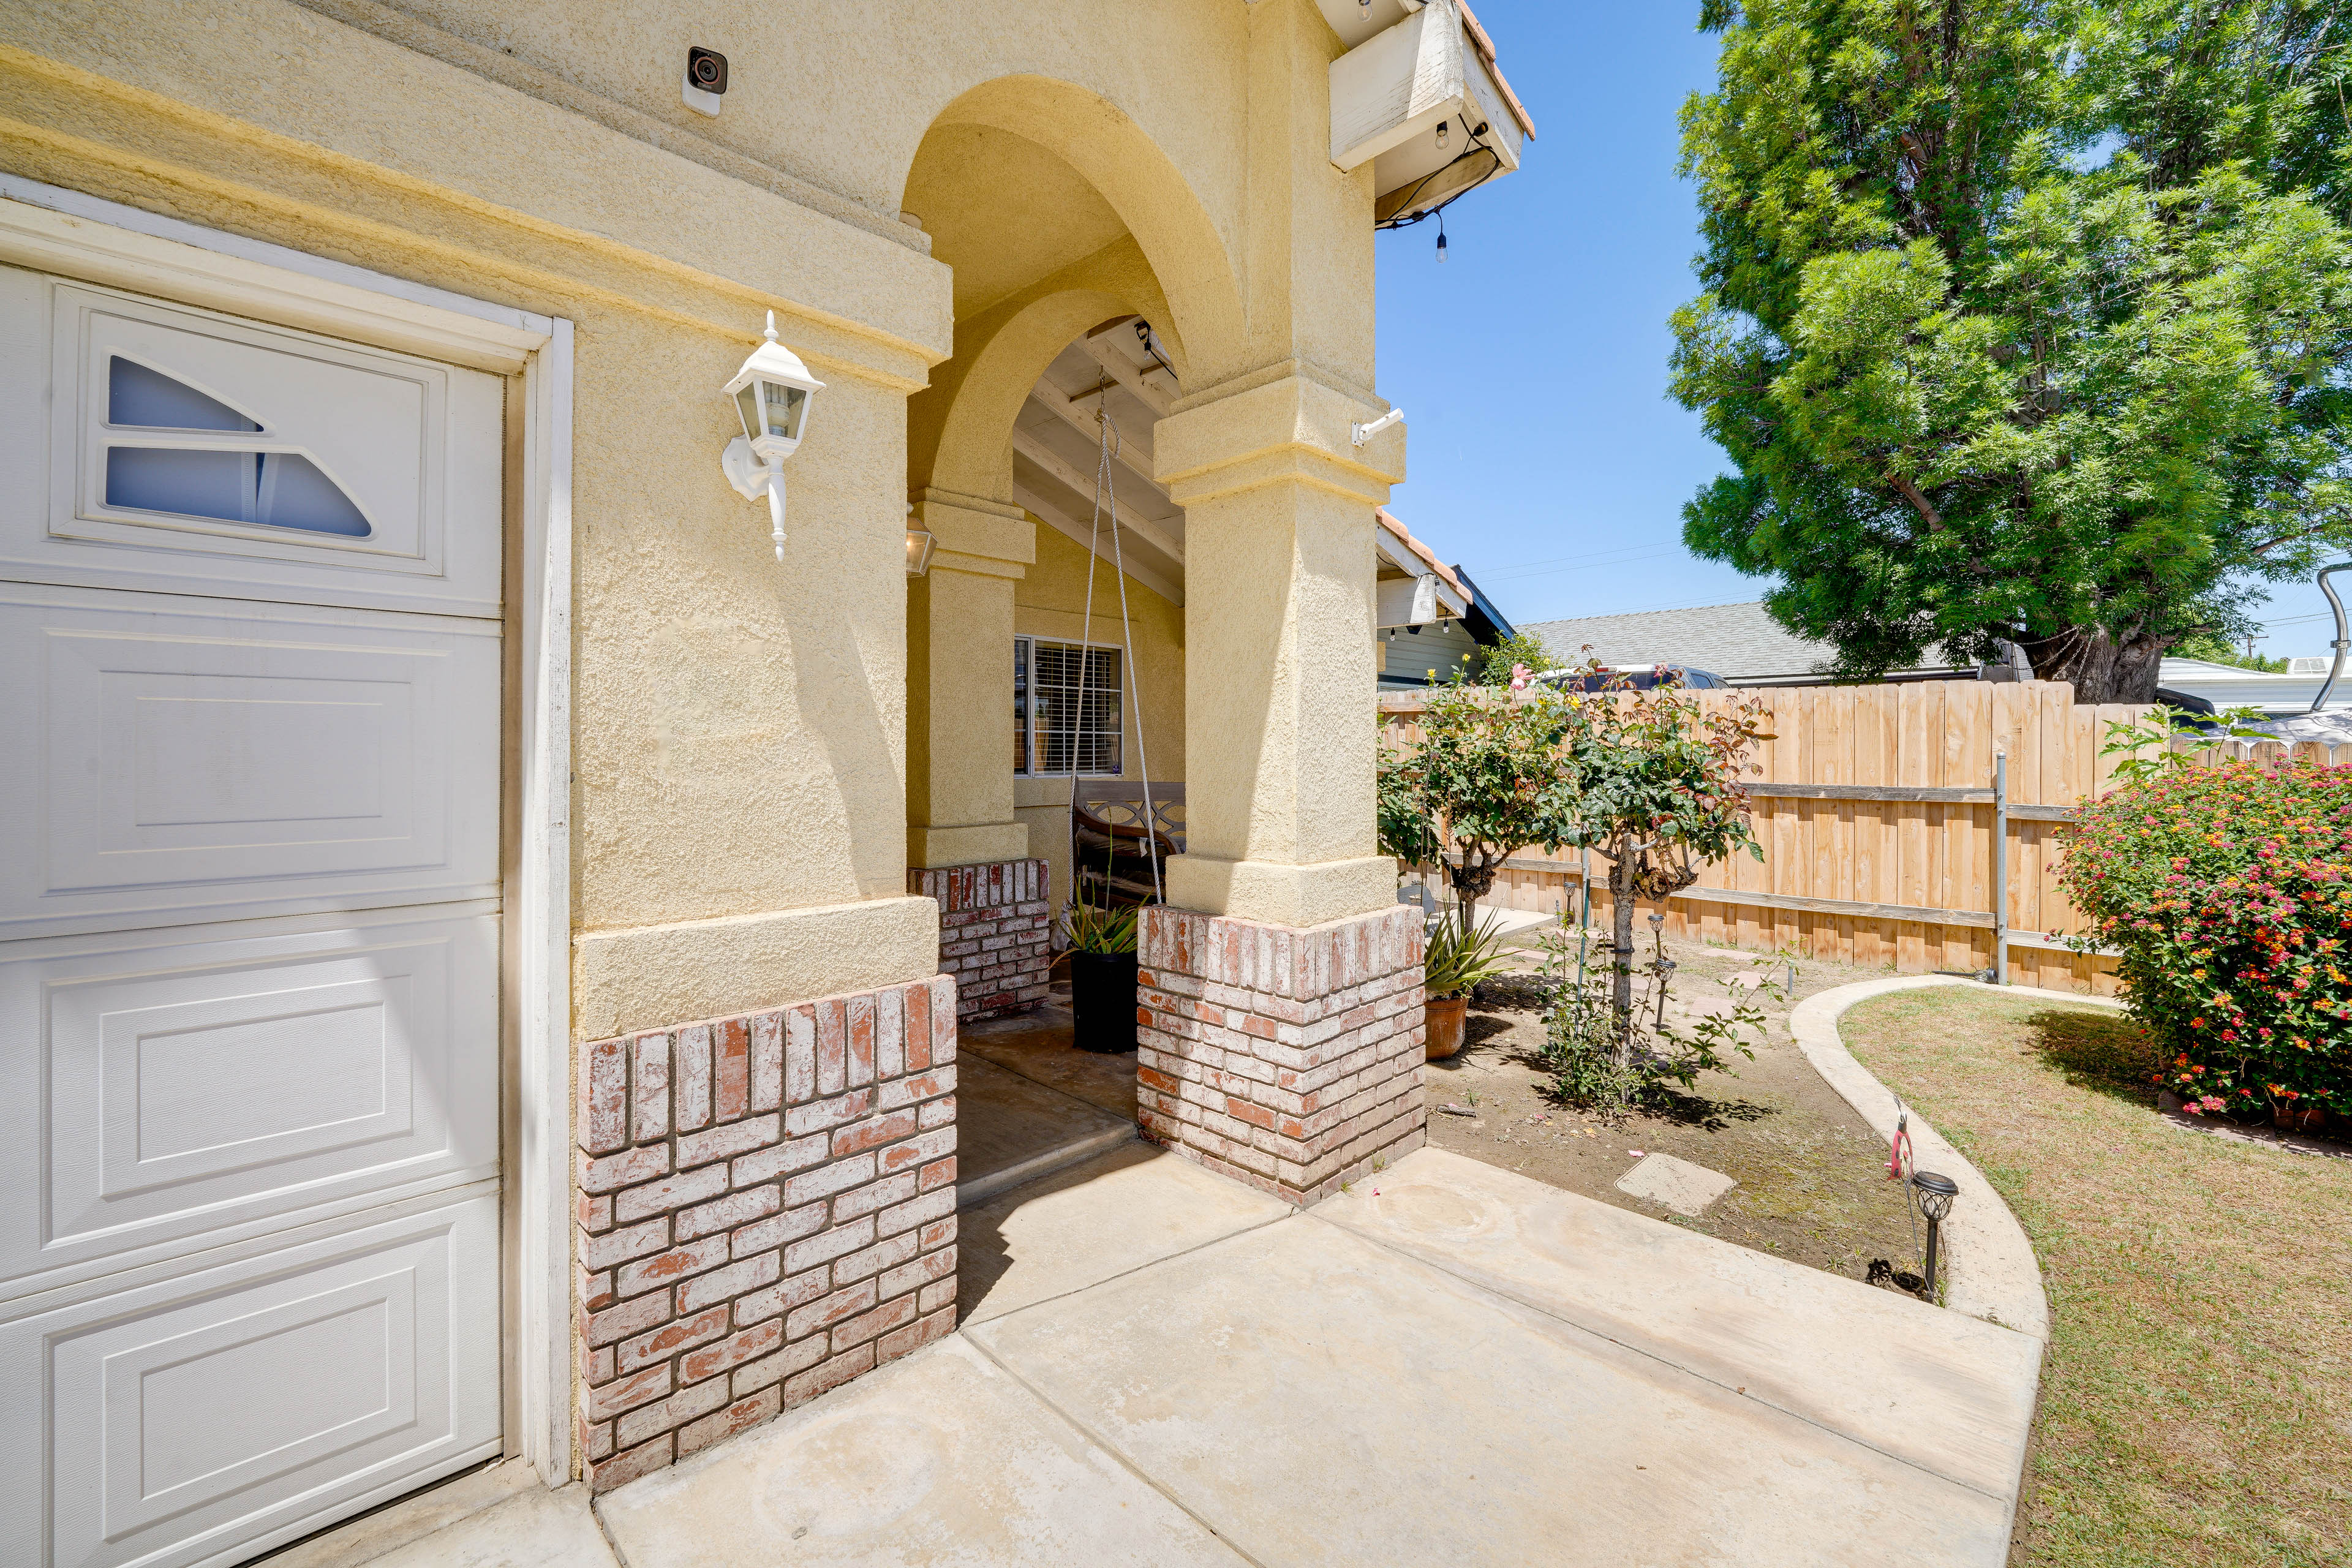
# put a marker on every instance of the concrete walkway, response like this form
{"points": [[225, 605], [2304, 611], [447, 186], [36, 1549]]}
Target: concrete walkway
{"points": [[1448, 1363]]}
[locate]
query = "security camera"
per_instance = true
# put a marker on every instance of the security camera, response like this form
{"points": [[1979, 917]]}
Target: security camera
{"points": [[705, 79]]}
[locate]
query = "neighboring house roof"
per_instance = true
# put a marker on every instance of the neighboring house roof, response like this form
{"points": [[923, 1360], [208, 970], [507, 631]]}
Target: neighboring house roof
{"points": [[1741, 643], [1423, 553], [1735, 641], [1484, 620]]}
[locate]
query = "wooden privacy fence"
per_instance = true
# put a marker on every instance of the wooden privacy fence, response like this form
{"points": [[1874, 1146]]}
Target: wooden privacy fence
{"points": [[1878, 808]]}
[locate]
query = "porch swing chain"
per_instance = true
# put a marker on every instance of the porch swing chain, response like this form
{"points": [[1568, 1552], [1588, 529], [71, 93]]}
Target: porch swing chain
{"points": [[1106, 500]]}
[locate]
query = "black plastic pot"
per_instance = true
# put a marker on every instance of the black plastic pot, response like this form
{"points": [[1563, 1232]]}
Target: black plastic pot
{"points": [[1102, 999]]}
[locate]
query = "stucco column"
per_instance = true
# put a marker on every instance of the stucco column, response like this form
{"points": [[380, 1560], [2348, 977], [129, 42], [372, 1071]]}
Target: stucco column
{"points": [[1280, 730], [960, 682]]}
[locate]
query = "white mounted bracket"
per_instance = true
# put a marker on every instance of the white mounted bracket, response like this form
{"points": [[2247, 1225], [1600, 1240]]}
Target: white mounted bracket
{"points": [[1360, 434], [753, 480]]}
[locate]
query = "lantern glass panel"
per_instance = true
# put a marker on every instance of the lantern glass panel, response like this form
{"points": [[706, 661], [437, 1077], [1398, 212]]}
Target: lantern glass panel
{"points": [[787, 405], [747, 404]]}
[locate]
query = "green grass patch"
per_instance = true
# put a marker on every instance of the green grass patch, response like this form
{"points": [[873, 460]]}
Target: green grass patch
{"points": [[2196, 1400]]}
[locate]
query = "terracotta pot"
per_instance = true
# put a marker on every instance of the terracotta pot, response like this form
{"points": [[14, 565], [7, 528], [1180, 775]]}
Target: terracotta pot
{"points": [[1442, 1018], [2299, 1119], [1102, 1001]]}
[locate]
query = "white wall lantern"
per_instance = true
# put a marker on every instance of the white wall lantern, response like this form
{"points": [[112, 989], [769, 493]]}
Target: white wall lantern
{"points": [[771, 393]]}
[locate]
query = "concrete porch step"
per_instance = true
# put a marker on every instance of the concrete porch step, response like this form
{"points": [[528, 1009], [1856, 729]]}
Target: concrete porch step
{"points": [[1012, 1130]]}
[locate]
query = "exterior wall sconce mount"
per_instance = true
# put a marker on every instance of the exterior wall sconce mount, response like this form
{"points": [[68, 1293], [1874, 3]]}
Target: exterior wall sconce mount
{"points": [[1360, 434]]}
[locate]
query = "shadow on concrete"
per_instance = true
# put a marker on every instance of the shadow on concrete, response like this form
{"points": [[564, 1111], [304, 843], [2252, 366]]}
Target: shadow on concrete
{"points": [[983, 1249]]}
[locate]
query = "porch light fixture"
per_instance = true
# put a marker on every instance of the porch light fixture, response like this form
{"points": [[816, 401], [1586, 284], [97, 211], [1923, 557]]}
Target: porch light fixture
{"points": [[1935, 1193], [772, 394], [918, 547]]}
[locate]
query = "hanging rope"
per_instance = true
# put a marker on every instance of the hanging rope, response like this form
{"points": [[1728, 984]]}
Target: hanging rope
{"points": [[1106, 504]]}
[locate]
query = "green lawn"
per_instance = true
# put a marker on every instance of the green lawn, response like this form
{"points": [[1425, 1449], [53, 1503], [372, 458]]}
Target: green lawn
{"points": [[2196, 1400]]}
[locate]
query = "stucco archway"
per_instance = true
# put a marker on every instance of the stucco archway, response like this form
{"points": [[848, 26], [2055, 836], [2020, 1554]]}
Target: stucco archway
{"points": [[1059, 214], [1203, 318]]}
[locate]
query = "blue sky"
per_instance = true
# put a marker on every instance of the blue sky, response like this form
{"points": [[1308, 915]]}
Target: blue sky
{"points": [[1543, 454]]}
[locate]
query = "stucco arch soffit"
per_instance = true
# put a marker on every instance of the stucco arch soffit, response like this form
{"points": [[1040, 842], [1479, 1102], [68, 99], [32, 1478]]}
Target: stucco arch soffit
{"points": [[960, 428], [1203, 321]]}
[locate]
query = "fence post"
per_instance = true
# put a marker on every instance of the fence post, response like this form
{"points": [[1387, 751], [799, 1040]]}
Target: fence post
{"points": [[2000, 868]]}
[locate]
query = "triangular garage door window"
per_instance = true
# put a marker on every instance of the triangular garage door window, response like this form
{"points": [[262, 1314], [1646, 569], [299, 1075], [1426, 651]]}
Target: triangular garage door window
{"points": [[263, 489]]}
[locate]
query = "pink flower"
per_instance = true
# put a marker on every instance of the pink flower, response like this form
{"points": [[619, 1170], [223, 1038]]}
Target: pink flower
{"points": [[1519, 673]]}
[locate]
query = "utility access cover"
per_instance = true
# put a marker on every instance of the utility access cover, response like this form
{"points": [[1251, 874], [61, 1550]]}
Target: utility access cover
{"points": [[1682, 1186]]}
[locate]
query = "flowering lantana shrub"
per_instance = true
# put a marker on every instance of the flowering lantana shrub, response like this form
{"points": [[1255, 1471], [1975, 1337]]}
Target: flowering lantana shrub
{"points": [[2229, 892]]}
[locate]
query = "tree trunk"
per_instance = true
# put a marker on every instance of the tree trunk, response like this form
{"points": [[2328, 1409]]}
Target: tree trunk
{"points": [[1474, 879], [2100, 668], [1621, 982]]}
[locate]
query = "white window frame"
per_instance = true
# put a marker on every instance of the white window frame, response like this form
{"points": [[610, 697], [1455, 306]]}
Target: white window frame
{"points": [[48, 230], [1026, 657]]}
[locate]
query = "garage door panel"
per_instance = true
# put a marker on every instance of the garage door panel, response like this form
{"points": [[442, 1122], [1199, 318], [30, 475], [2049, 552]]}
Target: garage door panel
{"points": [[238, 761], [203, 1077], [240, 1403], [175, 449]]}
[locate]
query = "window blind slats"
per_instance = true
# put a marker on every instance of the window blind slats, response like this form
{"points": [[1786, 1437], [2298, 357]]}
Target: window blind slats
{"points": [[1072, 719]]}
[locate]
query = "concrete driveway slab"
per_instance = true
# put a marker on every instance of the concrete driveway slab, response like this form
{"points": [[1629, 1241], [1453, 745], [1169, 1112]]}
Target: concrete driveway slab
{"points": [[535, 1529], [1935, 1388], [937, 1460], [1317, 1398], [1117, 1212]]}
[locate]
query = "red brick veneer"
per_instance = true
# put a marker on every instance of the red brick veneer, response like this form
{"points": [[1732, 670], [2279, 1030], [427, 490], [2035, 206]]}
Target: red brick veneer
{"points": [[1289, 1058], [765, 1208], [996, 933]]}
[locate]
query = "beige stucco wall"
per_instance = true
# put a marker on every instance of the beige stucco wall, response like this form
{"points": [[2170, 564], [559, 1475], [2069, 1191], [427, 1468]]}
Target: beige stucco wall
{"points": [[740, 761], [1051, 601]]}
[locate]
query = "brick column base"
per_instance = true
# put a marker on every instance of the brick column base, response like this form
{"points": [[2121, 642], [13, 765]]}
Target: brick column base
{"points": [[996, 933], [766, 1207], [1288, 1058]]}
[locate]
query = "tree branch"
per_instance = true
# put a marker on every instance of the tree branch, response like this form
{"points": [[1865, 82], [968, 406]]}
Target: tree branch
{"points": [[1926, 508]]}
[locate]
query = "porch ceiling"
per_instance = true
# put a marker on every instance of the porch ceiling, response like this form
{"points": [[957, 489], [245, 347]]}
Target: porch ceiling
{"points": [[1056, 450]]}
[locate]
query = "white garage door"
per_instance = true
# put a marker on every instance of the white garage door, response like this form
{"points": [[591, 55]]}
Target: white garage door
{"points": [[250, 598]]}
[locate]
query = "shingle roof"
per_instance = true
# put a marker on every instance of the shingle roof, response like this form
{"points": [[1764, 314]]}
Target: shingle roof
{"points": [[1736, 641]]}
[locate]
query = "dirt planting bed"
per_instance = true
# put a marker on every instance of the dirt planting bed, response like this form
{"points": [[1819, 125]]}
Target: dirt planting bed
{"points": [[1811, 1176]]}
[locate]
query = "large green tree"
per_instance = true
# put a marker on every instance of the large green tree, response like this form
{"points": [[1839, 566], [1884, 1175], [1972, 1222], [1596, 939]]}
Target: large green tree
{"points": [[2023, 319]]}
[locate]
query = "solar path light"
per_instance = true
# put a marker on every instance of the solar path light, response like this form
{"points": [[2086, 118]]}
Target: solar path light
{"points": [[1935, 1195]]}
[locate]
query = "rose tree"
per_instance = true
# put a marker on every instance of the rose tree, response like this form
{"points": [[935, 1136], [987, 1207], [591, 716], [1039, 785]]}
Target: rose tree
{"points": [[1484, 783], [1656, 785]]}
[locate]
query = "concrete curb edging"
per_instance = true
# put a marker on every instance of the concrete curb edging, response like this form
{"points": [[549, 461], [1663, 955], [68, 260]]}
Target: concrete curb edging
{"points": [[1989, 1264]]}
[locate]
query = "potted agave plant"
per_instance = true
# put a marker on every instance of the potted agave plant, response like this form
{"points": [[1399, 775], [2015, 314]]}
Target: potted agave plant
{"points": [[1102, 975], [1458, 956]]}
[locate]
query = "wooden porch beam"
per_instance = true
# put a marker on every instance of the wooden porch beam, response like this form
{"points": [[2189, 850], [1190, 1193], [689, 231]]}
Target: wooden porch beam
{"points": [[1077, 534], [1062, 468]]}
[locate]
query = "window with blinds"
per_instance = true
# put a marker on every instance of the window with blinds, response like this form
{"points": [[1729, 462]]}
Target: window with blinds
{"points": [[1067, 714]]}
